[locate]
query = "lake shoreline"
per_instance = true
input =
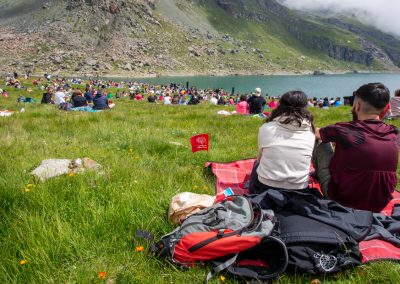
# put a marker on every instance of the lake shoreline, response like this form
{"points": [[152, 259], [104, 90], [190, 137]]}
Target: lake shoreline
{"points": [[172, 74]]}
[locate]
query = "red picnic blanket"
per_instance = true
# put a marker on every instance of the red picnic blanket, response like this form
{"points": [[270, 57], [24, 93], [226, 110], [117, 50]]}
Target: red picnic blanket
{"points": [[237, 174]]}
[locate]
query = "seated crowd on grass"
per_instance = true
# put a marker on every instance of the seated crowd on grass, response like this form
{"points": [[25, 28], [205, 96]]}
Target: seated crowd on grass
{"points": [[97, 94]]}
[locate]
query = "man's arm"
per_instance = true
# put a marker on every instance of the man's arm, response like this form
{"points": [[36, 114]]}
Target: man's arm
{"points": [[317, 133], [330, 133]]}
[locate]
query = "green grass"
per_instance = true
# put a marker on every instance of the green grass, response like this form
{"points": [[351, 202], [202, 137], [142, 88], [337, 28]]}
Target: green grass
{"points": [[285, 51], [70, 228]]}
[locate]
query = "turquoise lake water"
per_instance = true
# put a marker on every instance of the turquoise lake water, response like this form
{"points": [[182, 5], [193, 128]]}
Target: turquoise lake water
{"points": [[313, 86]]}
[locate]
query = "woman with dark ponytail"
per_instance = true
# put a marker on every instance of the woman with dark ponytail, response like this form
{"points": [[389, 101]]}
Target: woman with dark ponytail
{"points": [[285, 146]]}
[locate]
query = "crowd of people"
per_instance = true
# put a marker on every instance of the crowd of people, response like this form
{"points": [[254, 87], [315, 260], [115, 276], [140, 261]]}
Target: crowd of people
{"points": [[67, 97], [97, 95]]}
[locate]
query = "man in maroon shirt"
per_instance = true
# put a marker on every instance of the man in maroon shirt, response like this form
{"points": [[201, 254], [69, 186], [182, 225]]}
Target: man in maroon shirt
{"points": [[361, 171]]}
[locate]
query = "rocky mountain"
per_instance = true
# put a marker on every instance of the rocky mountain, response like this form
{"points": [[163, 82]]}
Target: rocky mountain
{"points": [[158, 37]]}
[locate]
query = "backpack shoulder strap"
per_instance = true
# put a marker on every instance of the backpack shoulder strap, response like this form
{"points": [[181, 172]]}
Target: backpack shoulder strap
{"points": [[248, 272], [220, 267]]}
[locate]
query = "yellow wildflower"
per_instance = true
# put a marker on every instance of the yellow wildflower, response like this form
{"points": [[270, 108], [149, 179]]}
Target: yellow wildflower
{"points": [[23, 262], [102, 275], [222, 278], [139, 249]]}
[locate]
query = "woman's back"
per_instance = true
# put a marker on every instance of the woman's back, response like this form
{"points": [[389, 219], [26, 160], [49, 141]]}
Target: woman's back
{"points": [[286, 154], [285, 146]]}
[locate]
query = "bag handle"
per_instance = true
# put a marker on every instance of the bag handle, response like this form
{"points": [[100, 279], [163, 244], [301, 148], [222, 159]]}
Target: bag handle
{"points": [[221, 267]]}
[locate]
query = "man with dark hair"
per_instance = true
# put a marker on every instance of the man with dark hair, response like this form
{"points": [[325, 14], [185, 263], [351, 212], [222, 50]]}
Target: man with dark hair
{"points": [[361, 172]]}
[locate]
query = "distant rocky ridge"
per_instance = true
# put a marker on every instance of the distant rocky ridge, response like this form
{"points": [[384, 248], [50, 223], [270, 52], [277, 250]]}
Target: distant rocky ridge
{"points": [[146, 37], [301, 27]]}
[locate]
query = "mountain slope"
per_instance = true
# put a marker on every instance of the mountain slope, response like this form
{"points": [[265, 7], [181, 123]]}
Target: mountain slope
{"points": [[146, 37]]}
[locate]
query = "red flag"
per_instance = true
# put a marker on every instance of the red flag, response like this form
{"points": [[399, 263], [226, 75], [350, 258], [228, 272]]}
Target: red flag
{"points": [[199, 142]]}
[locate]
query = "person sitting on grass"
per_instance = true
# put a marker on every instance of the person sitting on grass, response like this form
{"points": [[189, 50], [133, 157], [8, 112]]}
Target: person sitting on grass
{"points": [[167, 99], [48, 96], [89, 95], [256, 102], [59, 96], [151, 98], [273, 104], [138, 96], [285, 146], [214, 100], [194, 100], [361, 172], [100, 102], [78, 100], [394, 110], [337, 102], [175, 99], [242, 107]]}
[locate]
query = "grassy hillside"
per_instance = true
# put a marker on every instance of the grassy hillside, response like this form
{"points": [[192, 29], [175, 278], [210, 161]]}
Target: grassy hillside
{"points": [[69, 228], [176, 37]]}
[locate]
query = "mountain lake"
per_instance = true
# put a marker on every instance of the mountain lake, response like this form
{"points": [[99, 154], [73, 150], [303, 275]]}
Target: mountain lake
{"points": [[319, 86]]}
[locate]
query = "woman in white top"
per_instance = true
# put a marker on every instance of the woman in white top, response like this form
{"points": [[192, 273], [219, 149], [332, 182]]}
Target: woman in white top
{"points": [[285, 146], [167, 99]]}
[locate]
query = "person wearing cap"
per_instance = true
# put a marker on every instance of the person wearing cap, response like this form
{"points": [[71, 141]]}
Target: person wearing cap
{"points": [[256, 102]]}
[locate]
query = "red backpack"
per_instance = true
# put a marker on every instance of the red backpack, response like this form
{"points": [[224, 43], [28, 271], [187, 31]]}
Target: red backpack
{"points": [[233, 235]]}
